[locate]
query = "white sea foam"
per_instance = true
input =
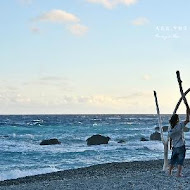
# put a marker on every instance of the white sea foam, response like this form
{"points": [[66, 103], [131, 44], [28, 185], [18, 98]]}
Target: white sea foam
{"points": [[17, 173], [96, 119], [30, 136], [114, 118], [154, 146], [37, 120]]}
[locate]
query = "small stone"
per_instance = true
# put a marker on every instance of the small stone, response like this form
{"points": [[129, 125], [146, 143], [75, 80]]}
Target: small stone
{"points": [[121, 141], [144, 139]]}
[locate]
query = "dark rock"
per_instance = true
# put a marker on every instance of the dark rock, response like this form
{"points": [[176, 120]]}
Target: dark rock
{"points": [[97, 140], [155, 136], [50, 142], [144, 139], [121, 141], [157, 128], [165, 128], [4, 136], [186, 129]]}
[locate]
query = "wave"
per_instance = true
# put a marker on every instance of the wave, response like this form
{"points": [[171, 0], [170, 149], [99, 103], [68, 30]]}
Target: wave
{"points": [[114, 118], [36, 122], [18, 173]]}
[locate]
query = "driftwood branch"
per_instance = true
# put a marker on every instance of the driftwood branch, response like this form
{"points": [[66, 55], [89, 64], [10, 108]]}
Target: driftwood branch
{"points": [[182, 97], [181, 89], [180, 100], [159, 117], [165, 166]]}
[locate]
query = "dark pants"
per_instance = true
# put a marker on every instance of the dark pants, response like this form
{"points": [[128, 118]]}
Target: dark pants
{"points": [[178, 155]]}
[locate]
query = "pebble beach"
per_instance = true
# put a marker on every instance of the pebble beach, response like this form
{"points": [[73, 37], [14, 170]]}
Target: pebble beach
{"points": [[117, 176]]}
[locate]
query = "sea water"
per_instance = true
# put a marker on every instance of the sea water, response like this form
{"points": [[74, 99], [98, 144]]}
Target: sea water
{"points": [[22, 155]]}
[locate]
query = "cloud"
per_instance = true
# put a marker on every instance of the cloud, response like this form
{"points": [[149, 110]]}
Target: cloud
{"points": [[132, 96], [59, 16], [51, 99], [52, 78], [146, 77], [140, 21], [112, 3], [21, 99], [103, 100], [70, 21], [78, 29], [47, 82], [10, 94]]}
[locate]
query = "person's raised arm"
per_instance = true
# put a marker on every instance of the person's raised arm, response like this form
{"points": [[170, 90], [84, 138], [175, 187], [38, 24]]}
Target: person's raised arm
{"points": [[187, 116]]}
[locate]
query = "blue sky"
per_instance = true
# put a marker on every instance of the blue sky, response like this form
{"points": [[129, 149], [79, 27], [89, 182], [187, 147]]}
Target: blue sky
{"points": [[92, 56]]}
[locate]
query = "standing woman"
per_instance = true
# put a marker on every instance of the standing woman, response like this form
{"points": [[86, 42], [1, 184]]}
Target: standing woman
{"points": [[177, 136]]}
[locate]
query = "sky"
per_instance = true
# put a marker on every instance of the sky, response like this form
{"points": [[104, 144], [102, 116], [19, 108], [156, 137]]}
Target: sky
{"points": [[93, 56]]}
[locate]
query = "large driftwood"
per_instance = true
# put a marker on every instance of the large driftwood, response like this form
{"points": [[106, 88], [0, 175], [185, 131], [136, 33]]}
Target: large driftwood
{"points": [[180, 100], [165, 142], [182, 94], [177, 106], [159, 117], [181, 89]]}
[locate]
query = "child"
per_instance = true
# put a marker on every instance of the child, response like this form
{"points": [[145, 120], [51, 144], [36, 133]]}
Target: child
{"points": [[177, 136]]}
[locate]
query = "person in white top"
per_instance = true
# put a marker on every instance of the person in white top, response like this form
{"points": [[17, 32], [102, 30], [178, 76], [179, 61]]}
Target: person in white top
{"points": [[177, 136]]}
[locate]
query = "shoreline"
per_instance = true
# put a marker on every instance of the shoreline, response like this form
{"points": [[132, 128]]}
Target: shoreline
{"points": [[115, 175]]}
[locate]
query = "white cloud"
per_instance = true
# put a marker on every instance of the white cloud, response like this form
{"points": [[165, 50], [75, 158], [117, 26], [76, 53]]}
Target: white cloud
{"points": [[78, 29], [58, 16], [112, 3], [70, 21], [105, 100], [140, 21]]}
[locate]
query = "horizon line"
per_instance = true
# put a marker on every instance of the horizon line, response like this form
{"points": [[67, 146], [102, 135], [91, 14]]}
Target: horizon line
{"points": [[34, 114]]}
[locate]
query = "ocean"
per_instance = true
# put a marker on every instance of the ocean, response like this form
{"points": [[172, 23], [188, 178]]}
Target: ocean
{"points": [[20, 136]]}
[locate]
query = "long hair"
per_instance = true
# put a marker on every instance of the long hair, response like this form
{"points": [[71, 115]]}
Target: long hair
{"points": [[173, 121]]}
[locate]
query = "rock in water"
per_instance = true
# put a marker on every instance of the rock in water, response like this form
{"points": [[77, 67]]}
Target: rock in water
{"points": [[97, 140], [121, 141], [155, 136], [50, 142], [157, 128], [4, 136], [186, 129], [165, 128], [143, 139]]}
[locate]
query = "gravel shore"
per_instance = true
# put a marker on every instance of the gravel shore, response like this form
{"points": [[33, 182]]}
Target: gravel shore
{"points": [[111, 176]]}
